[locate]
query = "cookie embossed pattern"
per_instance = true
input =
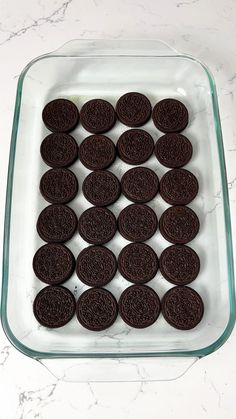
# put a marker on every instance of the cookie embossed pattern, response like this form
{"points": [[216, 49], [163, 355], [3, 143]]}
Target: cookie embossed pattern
{"points": [[148, 73]]}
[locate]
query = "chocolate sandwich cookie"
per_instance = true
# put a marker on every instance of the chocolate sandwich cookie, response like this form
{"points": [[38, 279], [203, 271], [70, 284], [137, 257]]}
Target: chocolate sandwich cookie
{"points": [[53, 263], [54, 306], [97, 152], [178, 187], [133, 109], [139, 306], [96, 266], [173, 150], [101, 188], [59, 150], [60, 115], [140, 184], [59, 186], [179, 264], [170, 115], [135, 146], [96, 309], [97, 116], [179, 225], [97, 225], [56, 223], [137, 222], [182, 307], [138, 263]]}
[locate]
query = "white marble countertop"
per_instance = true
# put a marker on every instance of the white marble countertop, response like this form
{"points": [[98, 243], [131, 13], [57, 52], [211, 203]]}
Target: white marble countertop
{"points": [[203, 28]]}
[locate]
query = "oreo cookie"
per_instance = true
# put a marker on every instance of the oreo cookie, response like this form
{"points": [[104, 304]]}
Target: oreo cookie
{"points": [[170, 115], [139, 306], [60, 115], [182, 308], [53, 263], [133, 109], [96, 266], [96, 309], [137, 222], [138, 263], [97, 225], [59, 150], [97, 152], [179, 264], [56, 223], [97, 116], [59, 186], [140, 184], [101, 188], [135, 146], [178, 187], [173, 150], [179, 225], [54, 306]]}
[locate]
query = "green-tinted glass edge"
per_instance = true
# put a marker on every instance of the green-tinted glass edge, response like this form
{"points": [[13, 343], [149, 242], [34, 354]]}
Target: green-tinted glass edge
{"points": [[196, 353]]}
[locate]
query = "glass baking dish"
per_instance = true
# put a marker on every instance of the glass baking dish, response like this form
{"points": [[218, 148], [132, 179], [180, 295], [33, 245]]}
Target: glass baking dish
{"points": [[82, 70]]}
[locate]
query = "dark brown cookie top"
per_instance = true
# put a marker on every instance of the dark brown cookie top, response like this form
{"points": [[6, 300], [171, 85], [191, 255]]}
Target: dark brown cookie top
{"points": [[101, 188], [97, 152], [96, 309], [179, 264], [133, 109], [97, 225], [56, 223], [170, 115], [96, 266], [173, 150], [179, 225], [140, 184], [59, 150], [60, 115], [59, 186], [139, 306], [135, 146], [53, 263], [182, 307], [54, 306], [138, 263], [178, 187], [97, 116], [137, 222]]}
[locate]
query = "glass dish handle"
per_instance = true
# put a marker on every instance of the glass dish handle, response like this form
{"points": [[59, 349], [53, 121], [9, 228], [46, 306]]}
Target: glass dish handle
{"points": [[118, 369], [102, 47]]}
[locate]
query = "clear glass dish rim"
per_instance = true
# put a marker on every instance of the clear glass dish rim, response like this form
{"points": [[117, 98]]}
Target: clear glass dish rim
{"points": [[7, 220]]}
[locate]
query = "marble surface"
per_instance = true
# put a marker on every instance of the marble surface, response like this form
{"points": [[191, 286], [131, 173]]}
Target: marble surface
{"points": [[203, 28]]}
